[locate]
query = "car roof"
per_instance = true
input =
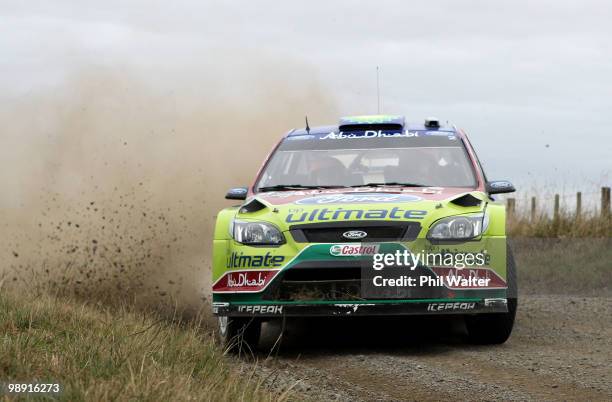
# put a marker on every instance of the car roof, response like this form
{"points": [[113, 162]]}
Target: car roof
{"points": [[370, 123]]}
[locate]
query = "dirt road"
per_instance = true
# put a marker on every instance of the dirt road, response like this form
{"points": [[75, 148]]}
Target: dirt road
{"points": [[561, 349]]}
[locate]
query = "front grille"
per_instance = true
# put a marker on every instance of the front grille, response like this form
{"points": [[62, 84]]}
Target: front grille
{"points": [[317, 280], [322, 274], [342, 280], [377, 231]]}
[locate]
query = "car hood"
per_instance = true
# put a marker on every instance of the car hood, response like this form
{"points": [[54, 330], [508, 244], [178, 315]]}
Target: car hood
{"points": [[361, 195], [425, 205]]}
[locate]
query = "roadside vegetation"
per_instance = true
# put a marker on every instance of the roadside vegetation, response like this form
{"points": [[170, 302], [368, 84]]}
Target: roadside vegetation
{"points": [[566, 224], [97, 352], [566, 253], [565, 266]]}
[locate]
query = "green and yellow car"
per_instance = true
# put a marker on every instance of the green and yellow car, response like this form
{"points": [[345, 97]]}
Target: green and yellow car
{"points": [[374, 216]]}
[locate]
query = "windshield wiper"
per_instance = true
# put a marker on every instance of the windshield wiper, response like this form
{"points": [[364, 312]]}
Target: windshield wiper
{"points": [[293, 187], [391, 183]]}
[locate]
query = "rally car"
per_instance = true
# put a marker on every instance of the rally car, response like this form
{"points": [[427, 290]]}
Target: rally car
{"points": [[374, 216]]}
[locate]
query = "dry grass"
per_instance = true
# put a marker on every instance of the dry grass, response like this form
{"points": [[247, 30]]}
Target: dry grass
{"points": [[589, 225], [112, 353], [579, 266], [563, 254], [567, 254]]}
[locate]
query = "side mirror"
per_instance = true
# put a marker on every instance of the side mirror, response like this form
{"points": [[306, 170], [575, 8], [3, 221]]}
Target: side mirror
{"points": [[238, 193], [499, 187]]}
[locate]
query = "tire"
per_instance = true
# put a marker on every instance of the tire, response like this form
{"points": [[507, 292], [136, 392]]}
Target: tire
{"points": [[494, 329], [238, 335]]}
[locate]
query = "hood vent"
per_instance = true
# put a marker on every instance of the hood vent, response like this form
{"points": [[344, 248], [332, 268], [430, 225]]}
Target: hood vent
{"points": [[467, 200], [252, 206]]}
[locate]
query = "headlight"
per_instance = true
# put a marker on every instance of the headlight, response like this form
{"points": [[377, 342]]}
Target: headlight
{"points": [[257, 233], [460, 227]]}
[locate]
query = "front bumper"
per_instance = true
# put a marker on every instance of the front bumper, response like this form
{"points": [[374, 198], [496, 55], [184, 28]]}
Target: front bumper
{"points": [[361, 308]]}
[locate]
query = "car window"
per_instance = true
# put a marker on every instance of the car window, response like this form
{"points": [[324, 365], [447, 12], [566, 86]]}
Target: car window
{"points": [[429, 160]]}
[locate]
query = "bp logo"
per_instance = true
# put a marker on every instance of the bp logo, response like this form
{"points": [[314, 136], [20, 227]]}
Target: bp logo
{"points": [[357, 199]]}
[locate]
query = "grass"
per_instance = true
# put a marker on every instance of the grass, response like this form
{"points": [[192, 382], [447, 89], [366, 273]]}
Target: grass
{"points": [[589, 225], [566, 254], [116, 353], [564, 265]]}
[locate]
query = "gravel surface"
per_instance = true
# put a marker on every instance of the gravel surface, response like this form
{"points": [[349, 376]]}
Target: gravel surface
{"points": [[561, 349]]}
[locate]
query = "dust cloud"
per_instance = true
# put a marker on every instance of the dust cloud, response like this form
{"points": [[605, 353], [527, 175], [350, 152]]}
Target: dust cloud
{"points": [[112, 178]]}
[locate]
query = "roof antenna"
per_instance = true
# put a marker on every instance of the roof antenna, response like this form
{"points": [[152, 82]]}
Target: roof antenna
{"points": [[377, 92], [307, 126]]}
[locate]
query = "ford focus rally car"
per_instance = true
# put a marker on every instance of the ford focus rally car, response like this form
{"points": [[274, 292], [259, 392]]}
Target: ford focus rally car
{"points": [[374, 216]]}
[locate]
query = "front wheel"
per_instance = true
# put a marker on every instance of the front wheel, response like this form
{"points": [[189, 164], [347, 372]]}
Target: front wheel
{"points": [[237, 334], [491, 329]]}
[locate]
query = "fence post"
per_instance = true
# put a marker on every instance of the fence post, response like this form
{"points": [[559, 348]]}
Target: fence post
{"points": [[556, 213], [578, 204], [511, 207], [533, 209], [605, 202]]}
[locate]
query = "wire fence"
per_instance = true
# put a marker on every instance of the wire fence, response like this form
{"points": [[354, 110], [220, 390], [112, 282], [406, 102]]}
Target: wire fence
{"points": [[591, 203]]}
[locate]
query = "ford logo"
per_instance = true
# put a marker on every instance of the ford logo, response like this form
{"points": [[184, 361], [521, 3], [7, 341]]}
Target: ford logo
{"points": [[354, 234]]}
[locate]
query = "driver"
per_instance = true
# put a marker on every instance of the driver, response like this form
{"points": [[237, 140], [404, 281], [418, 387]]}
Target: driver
{"points": [[416, 165], [328, 171]]}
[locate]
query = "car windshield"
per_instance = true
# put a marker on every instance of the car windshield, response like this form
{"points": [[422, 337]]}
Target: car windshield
{"points": [[418, 158]]}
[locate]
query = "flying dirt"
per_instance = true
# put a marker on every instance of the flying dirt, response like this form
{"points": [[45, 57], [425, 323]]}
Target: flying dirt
{"points": [[110, 184]]}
